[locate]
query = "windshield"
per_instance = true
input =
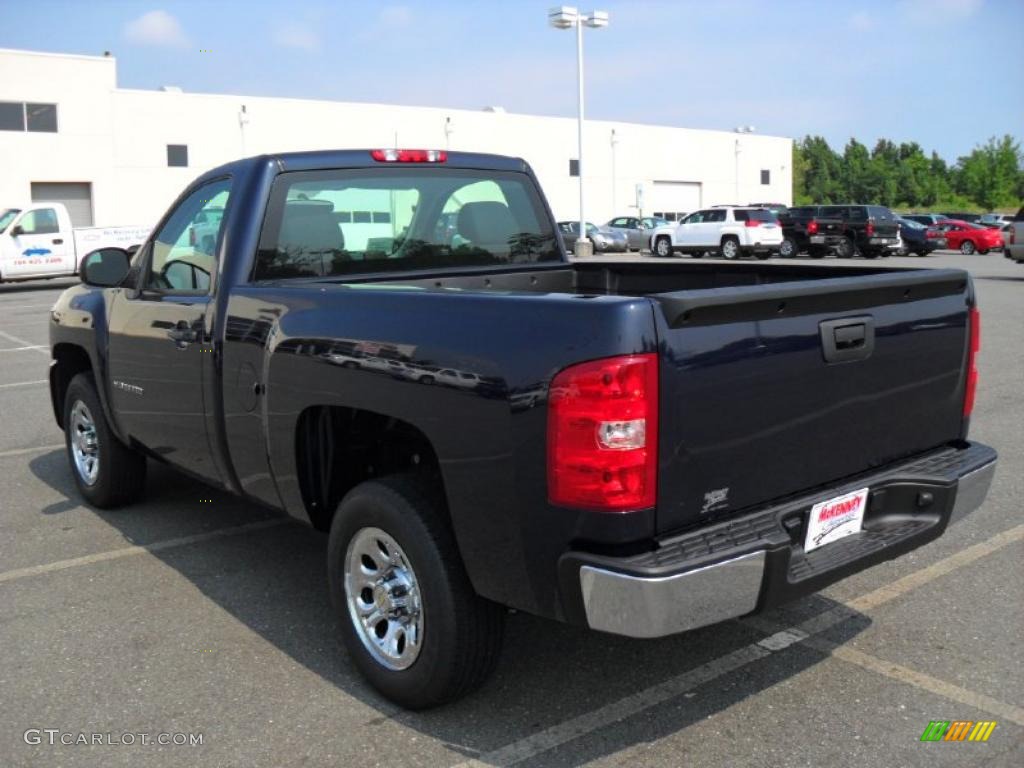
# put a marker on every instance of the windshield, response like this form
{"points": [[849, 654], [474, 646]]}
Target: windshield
{"points": [[7, 216], [345, 222]]}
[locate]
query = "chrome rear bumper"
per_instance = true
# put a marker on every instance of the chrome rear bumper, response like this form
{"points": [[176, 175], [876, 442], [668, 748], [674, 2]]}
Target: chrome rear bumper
{"points": [[618, 597]]}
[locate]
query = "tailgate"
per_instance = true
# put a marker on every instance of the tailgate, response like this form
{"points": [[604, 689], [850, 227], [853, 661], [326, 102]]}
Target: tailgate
{"points": [[769, 390]]}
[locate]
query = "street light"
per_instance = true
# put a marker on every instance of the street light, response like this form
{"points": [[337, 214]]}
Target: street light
{"points": [[567, 17], [740, 129], [614, 143]]}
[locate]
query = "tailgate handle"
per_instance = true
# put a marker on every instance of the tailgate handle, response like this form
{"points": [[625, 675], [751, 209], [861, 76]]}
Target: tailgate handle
{"points": [[846, 340]]}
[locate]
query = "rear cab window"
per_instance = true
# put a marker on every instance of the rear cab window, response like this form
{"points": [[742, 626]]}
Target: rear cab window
{"points": [[363, 221]]}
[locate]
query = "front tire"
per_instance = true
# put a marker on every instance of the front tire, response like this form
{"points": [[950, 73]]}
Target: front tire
{"points": [[846, 249], [663, 247], [788, 249], [409, 617], [107, 472], [967, 248]]}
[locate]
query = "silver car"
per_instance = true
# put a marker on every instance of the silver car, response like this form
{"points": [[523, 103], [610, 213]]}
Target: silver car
{"points": [[605, 240], [636, 229]]}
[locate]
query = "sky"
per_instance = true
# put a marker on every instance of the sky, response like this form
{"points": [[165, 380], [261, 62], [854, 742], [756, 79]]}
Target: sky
{"points": [[944, 73]]}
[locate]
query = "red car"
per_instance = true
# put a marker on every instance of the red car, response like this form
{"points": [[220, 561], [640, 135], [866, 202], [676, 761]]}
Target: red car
{"points": [[968, 238]]}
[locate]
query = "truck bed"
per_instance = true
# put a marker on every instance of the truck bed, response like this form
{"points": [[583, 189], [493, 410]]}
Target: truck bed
{"points": [[751, 409]]}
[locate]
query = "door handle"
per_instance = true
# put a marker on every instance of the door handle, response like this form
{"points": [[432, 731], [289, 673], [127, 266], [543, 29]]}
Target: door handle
{"points": [[58, 241], [183, 334]]}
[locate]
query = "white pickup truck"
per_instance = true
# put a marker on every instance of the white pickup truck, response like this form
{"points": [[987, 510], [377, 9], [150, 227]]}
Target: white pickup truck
{"points": [[38, 241]]}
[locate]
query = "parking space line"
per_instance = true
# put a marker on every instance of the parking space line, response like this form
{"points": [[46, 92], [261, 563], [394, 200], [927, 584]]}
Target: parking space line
{"points": [[16, 384], [4, 305], [44, 350], [778, 639], [26, 451], [903, 674], [22, 349], [116, 554]]}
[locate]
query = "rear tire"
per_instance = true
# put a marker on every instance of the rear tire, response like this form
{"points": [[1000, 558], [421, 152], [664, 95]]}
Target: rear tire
{"points": [[107, 472], [458, 634], [967, 248], [788, 249], [663, 247], [729, 248], [846, 249]]}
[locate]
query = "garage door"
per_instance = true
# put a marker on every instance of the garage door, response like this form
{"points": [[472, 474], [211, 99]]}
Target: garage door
{"points": [[671, 199], [76, 196]]}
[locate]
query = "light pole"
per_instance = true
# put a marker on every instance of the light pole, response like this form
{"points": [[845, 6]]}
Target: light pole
{"points": [[567, 17], [615, 143], [740, 129]]}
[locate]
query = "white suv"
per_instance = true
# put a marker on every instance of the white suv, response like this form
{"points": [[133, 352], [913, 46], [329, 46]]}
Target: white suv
{"points": [[727, 231]]}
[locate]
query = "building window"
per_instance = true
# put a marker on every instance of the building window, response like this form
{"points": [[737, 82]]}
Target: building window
{"points": [[12, 116], [19, 116], [41, 118], [177, 155], [574, 167], [766, 177]]}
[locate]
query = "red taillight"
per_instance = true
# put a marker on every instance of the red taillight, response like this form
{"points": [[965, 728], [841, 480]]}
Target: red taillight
{"points": [[1013, 236], [603, 434], [931, 234], [409, 155], [869, 230], [972, 360], [753, 223], [812, 227]]}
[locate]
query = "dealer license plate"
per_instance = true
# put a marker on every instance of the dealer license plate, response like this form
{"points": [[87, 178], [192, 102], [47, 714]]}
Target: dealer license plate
{"points": [[835, 519]]}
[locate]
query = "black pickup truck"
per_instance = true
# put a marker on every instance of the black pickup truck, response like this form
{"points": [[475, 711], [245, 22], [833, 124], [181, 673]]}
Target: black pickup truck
{"points": [[805, 229], [482, 424]]}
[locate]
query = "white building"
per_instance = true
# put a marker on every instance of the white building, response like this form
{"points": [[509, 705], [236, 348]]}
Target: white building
{"points": [[120, 156]]}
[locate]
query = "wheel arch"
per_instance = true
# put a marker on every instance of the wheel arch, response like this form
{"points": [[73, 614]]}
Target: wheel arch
{"points": [[69, 360], [338, 447]]}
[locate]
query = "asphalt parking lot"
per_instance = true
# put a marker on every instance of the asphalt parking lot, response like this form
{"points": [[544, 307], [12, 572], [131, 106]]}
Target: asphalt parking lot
{"points": [[197, 613]]}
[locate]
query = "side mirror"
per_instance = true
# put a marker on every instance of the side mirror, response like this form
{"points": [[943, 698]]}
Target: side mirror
{"points": [[105, 268], [16, 231]]}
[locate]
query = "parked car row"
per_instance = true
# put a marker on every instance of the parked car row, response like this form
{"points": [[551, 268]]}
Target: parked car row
{"points": [[767, 229]]}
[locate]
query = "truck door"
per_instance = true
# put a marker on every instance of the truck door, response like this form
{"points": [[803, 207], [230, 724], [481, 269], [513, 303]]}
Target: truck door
{"points": [[161, 362], [36, 246]]}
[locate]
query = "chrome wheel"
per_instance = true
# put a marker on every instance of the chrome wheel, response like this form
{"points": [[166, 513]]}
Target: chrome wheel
{"points": [[85, 443], [730, 249], [383, 598], [662, 247], [787, 249], [966, 247]]}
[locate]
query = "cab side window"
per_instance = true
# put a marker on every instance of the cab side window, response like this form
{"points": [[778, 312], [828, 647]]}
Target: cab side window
{"points": [[184, 250], [42, 221]]}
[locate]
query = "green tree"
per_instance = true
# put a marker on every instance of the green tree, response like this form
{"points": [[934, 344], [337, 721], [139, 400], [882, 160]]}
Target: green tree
{"points": [[990, 174]]}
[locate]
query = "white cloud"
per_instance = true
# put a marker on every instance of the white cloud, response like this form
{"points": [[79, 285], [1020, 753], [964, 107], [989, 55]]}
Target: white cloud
{"points": [[861, 21], [941, 11], [155, 28], [395, 16], [294, 34]]}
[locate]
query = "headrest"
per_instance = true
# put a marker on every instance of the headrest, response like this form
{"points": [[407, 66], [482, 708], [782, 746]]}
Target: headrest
{"points": [[486, 222], [309, 228]]}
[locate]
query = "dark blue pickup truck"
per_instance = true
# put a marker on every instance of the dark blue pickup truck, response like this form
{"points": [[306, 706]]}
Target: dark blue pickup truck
{"points": [[393, 346]]}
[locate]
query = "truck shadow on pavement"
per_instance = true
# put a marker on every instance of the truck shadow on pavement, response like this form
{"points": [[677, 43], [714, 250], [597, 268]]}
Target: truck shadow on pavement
{"points": [[274, 582]]}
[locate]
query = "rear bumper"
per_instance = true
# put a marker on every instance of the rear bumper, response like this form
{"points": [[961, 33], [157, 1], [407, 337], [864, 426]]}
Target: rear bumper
{"points": [[756, 561]]}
